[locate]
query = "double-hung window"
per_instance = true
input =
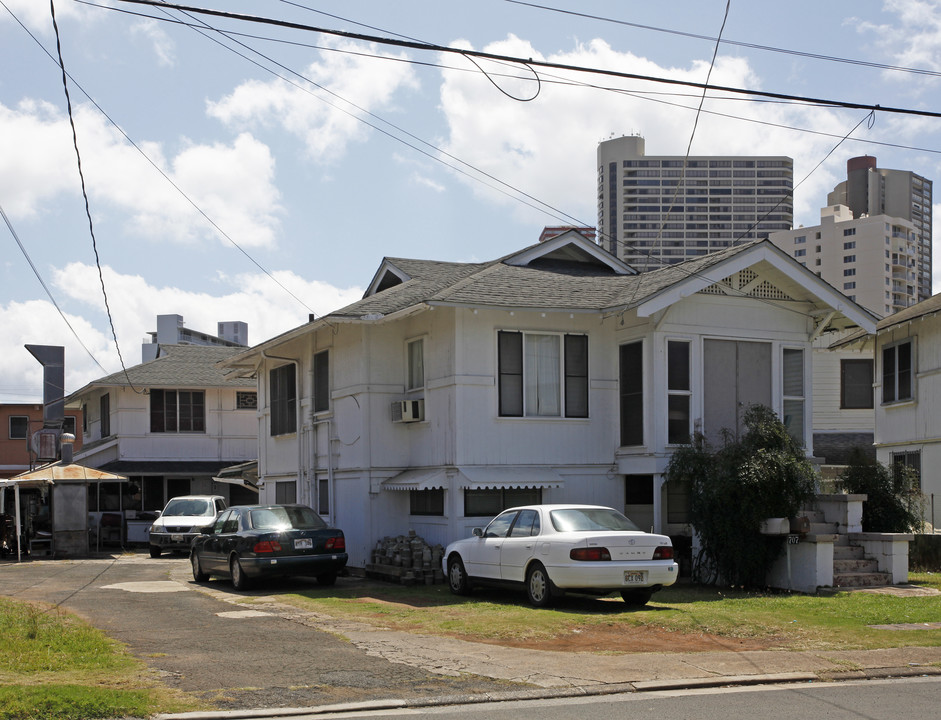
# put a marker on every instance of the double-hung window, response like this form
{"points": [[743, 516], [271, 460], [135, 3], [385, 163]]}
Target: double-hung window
{"points": [[177, 411], [416, 364], [19, 427], [678, 392], [897, 372], [282, 393], [856, 384], [542, 374], [793, 385]]}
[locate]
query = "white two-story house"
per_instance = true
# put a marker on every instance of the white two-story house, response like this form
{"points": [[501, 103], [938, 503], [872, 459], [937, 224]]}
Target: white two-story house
{"points": [[908, 394], [554, 374], [169, 425]]}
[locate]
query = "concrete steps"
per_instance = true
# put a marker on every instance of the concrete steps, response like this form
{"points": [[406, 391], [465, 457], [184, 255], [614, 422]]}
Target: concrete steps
{"points": [[851, 567]]}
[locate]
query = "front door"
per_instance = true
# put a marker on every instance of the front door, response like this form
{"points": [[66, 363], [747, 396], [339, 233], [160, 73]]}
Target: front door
{"points": [[737, 374]]}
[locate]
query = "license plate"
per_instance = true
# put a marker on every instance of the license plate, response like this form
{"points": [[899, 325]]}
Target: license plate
{"points": [[303, 543], [635, 577], [176, 538]]}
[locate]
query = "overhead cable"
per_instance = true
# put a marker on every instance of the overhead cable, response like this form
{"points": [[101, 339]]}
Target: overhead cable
{"points": [[529, 61]]}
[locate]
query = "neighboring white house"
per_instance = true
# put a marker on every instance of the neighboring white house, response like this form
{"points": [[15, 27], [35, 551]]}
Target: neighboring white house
{"points": [[844, 415], [170, 425], [908, 378], [555, 374]]}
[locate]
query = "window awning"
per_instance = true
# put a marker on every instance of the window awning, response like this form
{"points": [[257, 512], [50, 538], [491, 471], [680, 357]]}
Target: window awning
{"points": [[475, 478], [514, 476], [418, 479], [244, 474]]}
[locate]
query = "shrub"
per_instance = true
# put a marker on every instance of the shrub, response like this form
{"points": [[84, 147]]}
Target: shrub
{"points": [[894, 501], [732, 489]]}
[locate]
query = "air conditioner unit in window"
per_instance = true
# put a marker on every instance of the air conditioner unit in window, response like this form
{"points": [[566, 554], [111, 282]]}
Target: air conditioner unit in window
{"points": [[405, 411]]}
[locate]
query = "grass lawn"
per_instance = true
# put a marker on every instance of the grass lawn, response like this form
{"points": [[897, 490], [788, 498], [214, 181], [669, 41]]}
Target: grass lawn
{"points": [[841, 620], [56, 667]]}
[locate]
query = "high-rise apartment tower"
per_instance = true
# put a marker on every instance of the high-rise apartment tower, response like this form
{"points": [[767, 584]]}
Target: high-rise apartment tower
{"points": [[871, 259], [656, 210], [870, 190]]}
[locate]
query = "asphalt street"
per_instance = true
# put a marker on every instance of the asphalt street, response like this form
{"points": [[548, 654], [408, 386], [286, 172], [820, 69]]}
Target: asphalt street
{"points": [[246, 650], [207, 640]]}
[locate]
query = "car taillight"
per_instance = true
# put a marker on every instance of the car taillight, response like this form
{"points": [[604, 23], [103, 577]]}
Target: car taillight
{"points": [[664, 552], [267, 546], [336, 543], [589, 553]]}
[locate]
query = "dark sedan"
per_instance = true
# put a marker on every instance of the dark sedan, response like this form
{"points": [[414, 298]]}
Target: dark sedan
{"points": [[247, 542]]}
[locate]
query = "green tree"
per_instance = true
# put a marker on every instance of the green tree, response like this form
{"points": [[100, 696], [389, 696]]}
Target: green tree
{"points": [[894, 501], [733, 488]]}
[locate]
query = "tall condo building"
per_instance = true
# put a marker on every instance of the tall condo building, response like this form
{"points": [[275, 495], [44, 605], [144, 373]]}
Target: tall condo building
{"points": [[872, 259], [870, 190], [656, 210]]}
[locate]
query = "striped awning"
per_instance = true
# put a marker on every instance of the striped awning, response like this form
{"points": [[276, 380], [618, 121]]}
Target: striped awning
{"points": [[509, 476], [418, 479], [475, 478]]}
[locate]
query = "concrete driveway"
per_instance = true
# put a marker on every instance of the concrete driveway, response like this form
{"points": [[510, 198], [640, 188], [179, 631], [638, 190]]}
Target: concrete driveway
{"points": [[208, 640]]}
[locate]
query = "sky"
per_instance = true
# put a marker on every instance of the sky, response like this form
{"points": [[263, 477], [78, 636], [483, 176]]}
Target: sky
{"points": [[249, 171]]}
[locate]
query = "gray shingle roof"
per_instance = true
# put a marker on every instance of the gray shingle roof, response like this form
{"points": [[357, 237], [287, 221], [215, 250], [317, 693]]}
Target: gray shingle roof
{"points": [[925, 307], [544, 284], [183, 366]]}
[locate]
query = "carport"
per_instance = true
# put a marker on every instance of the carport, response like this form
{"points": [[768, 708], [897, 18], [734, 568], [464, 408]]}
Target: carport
{"points": [[68, 485]]}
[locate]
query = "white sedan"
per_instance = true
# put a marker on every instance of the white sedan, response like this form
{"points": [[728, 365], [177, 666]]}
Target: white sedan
{"points": [[553, 549]]}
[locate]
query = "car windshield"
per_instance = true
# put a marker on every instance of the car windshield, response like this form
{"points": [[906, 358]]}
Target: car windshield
{"points": [[286, 518], [189, 506], [589, 519]]}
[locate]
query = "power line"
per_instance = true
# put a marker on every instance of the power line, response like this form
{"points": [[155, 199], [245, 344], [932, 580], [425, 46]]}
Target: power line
{"points": [[158, 168], [751, 46], [81, 175], [46, 288], [529, 61], [544, 78]]}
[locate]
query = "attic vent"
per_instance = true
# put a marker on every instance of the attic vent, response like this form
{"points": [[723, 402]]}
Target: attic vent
{"points": [[767, 291], [743, 282]]}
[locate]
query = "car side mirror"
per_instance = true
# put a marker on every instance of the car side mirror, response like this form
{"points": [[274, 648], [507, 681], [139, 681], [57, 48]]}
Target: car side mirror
{"points": [[478, 532], [157, 514]]}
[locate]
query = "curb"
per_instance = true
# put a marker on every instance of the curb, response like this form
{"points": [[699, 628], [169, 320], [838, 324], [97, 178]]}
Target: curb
{"points": [[540, 694]]}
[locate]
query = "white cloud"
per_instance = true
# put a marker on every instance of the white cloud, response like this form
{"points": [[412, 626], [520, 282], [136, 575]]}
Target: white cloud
{"points": [[161, 42], [233, 184], [36, 322], [914, 40], [135, 304], [37, 15], [547, 147], [326, 123]]}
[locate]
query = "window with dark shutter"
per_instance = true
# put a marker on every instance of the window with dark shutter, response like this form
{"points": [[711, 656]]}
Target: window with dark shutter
{"points": [[576, 376], [282, 391], [322, 381], [631, 383]]}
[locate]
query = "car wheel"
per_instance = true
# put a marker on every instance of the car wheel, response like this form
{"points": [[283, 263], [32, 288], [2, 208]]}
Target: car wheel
{"points": [[154, 551], [539, 588], [239, 580], [198, 574], [329, 578], [457, 576], [636, 598]]}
